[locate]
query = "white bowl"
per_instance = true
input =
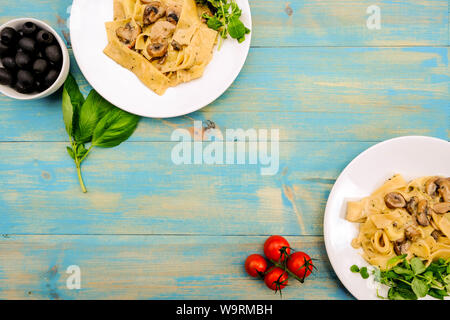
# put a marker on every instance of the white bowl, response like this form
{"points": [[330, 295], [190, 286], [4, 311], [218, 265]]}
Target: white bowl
{"points": [[10, 92]]}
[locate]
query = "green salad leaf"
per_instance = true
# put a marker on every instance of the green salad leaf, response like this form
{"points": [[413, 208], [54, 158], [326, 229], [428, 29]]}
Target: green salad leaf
{"points": [[225, 18], [410, 280], [92, 121]]}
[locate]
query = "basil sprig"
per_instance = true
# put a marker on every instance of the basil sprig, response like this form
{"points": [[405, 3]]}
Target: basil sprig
{"points": [[226, 19], [93, 121]]}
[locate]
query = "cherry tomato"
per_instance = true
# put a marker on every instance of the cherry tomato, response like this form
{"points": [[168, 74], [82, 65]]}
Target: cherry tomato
{"points": [[255, 265], [276, 248], [300, 264], [276, 279]]}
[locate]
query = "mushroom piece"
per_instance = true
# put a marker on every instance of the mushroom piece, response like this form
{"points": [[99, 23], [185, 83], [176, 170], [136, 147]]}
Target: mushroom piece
{"points": [[412, 233], [153, 11], [394, 200], [411, 205], [436, 234], [422, 213], [431, 186], [173, 14], [442, 207], [128, 34], [161, 31], [176, 46], [401, 247], [444, 188], [157, 50]]}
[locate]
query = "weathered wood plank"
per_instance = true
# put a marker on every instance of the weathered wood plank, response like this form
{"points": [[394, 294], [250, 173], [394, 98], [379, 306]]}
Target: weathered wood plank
{"points": [[311, 94], [304, 22], [150, 267], [137, 189]]}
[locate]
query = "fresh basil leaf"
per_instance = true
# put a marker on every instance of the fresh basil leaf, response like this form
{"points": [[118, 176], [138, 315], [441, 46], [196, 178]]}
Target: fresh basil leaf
{"points": [[419, 287], [417, 265], [93, 109], [114, 128], [71, 153], [71, 102], [81, 151]]}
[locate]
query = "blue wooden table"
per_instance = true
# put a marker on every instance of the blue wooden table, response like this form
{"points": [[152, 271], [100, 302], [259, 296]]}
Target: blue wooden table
{"points": [[149, 229]]}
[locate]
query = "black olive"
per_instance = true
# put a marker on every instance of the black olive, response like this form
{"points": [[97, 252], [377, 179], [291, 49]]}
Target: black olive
{"points": [[44, 37], [40, 86], [25, 77], [23, 60], [27, 45], [23, 88], [29, 28], [51, 77], [40, 66], [4, 50], [6, 78], [53, 53], [9, 36], [9, 63]]}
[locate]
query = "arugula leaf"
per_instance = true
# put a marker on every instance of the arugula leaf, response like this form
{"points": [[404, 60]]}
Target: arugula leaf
{"points": [[114, 128], [401, 294]]}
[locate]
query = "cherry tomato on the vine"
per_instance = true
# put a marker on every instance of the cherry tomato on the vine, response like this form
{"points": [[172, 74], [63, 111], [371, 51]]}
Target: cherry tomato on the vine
{"points": [[276, 279], [255, 265], [276, 248], [300, 264]]}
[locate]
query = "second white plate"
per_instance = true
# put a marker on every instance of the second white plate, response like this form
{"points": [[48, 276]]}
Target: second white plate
{"points": [[123, 89], [413, 157]]}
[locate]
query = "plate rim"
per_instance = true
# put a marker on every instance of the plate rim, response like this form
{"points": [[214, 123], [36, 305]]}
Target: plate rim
{"points": [[195, 107], [327, 213]]}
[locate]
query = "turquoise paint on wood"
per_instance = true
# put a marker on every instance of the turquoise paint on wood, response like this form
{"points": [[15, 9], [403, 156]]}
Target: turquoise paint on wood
{"points": [[330, 85]]}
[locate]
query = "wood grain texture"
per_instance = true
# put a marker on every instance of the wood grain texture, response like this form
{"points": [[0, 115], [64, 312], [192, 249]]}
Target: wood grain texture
{"points": [[354, 94], [136, 189], [304, 22], [150, 267], [149, 229]]}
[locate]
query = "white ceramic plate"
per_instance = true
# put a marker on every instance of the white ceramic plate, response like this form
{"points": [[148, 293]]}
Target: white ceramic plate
{"points": [[409, 156], [123, 89]]}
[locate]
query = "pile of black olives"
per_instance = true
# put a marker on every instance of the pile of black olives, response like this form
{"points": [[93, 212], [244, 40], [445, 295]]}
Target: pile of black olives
{"points": [[31, 58]]}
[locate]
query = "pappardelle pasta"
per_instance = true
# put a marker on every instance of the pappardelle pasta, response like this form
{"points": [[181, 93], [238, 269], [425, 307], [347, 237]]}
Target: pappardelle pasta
{"points": [[411, 218], [164, 42]]}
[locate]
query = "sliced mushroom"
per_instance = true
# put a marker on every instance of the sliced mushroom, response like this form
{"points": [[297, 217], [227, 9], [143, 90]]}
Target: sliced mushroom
{"points": [[431, 186], [153, 11], [411, 205], [444, 188], [161, 31], [436, 234], [412, 233], [176, 46], [401, 247], [157, 50], [173, 14], [394, 200], [128, 34], [422, 213], [442, 207]]}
